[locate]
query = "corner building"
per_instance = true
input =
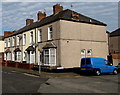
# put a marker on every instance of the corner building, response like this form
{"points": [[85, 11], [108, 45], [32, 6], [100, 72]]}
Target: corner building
{"points": [[57, 41]]}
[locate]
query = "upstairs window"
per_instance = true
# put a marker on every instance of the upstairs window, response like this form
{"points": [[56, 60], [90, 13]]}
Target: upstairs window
{"points": [[13, 41], [89, 52], [18, 40], [9, 42], [39, 35], [83, 52], [50, 33], [24, 39], [31, 37], [5, 44]]}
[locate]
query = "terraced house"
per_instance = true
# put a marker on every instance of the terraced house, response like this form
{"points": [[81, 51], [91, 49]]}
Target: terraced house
{"points": [[57, 41]]}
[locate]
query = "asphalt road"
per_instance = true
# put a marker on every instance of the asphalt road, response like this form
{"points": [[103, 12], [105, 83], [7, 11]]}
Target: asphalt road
{"points": [[82, 84], [14, 82]]}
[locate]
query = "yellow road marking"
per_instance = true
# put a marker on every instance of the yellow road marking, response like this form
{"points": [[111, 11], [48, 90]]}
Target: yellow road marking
{"points": [[30, 75]]}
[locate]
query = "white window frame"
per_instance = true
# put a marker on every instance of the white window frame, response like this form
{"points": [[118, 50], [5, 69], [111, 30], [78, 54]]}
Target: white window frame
{"points": [[39, 58], [5, 57], [90, 52], [13, 41], [18, 56], [50, 33], [39, 35], [24, 39], [5, 44], [8, 56], [18, 40], [9, 42], [49, 63], [83, 52], [31, 37]]}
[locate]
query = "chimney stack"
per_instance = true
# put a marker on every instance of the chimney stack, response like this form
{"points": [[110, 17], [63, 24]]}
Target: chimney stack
{"points": [[29, 21], [57, 8], [41, 15], [7, 33]]}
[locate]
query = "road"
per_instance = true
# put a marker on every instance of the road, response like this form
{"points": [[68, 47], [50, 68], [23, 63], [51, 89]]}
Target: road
{"points": [[14, 82]]}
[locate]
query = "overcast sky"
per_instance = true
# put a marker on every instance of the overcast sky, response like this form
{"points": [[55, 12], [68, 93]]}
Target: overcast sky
{"points": [[14, 14]]}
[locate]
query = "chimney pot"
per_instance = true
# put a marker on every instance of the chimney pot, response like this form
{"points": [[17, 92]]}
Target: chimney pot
{"points": [[29, 21], [57, 8], [41, 15]]}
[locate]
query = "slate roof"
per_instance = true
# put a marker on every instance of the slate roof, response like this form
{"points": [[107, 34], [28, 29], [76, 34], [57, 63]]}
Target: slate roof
{"points": [[63, 15], [115, 33], [49, 45], [17, 50], [30, 48]]}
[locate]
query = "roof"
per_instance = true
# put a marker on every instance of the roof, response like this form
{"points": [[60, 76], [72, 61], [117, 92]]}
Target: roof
{"points": [[49, 45], [63, 15], [115, 33], [7, 51], [17, 50], [30, 48]]}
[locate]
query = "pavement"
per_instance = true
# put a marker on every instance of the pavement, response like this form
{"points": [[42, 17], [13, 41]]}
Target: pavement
{"points": [[43, 74]]}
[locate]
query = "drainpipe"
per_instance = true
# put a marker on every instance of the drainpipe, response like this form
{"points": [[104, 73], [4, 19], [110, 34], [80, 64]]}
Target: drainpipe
{"points": [[35, 45]]}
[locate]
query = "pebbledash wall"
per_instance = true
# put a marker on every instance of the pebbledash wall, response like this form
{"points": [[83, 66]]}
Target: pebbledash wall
{"points": [[58, 41]]}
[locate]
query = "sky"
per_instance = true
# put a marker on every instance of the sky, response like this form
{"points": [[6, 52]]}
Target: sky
{"points": [[14, 14]]}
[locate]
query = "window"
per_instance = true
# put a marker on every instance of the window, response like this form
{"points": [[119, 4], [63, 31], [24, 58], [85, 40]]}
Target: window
{"points": [[50, 57], [9, 42], [5, 44], [89, 52], [13, 41], [40, 58], [8, 56], [31, 37], [50, 34], [24, 39], [18, 40], [46, 56], [88, 61], [5, 56], [39, 35], [19, 56], [83, 52]]}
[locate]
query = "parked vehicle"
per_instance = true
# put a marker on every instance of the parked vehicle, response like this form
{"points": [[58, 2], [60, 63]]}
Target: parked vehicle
{"points": [[118, 67], [97, 66]]}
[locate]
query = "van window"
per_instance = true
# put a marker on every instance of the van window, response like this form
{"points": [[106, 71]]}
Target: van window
{"points": [[83, 62], [88, 61]]}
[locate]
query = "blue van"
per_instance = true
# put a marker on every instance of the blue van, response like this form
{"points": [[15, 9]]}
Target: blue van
{"points": [[97, 65]]}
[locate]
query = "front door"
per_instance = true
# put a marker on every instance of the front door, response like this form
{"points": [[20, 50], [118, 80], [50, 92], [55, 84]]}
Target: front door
{"points": [[28, 57]]}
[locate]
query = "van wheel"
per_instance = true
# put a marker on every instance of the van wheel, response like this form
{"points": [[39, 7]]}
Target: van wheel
{"points": [[97, 72], [115, 72]]}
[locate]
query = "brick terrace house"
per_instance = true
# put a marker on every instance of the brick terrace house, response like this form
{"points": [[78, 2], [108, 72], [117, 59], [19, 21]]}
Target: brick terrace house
{"points": [[57, 41], [114, 46], [1, 48]]}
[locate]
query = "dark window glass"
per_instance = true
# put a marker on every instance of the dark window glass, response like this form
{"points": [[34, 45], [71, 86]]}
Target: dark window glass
{"points": [[83, 62], [88, 61]]}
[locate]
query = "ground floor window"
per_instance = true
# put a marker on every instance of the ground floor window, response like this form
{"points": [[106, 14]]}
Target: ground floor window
{"points": [[50, 56], [17, 56], [5, 58], [9, 56], [40, 58], [30, 57]]}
